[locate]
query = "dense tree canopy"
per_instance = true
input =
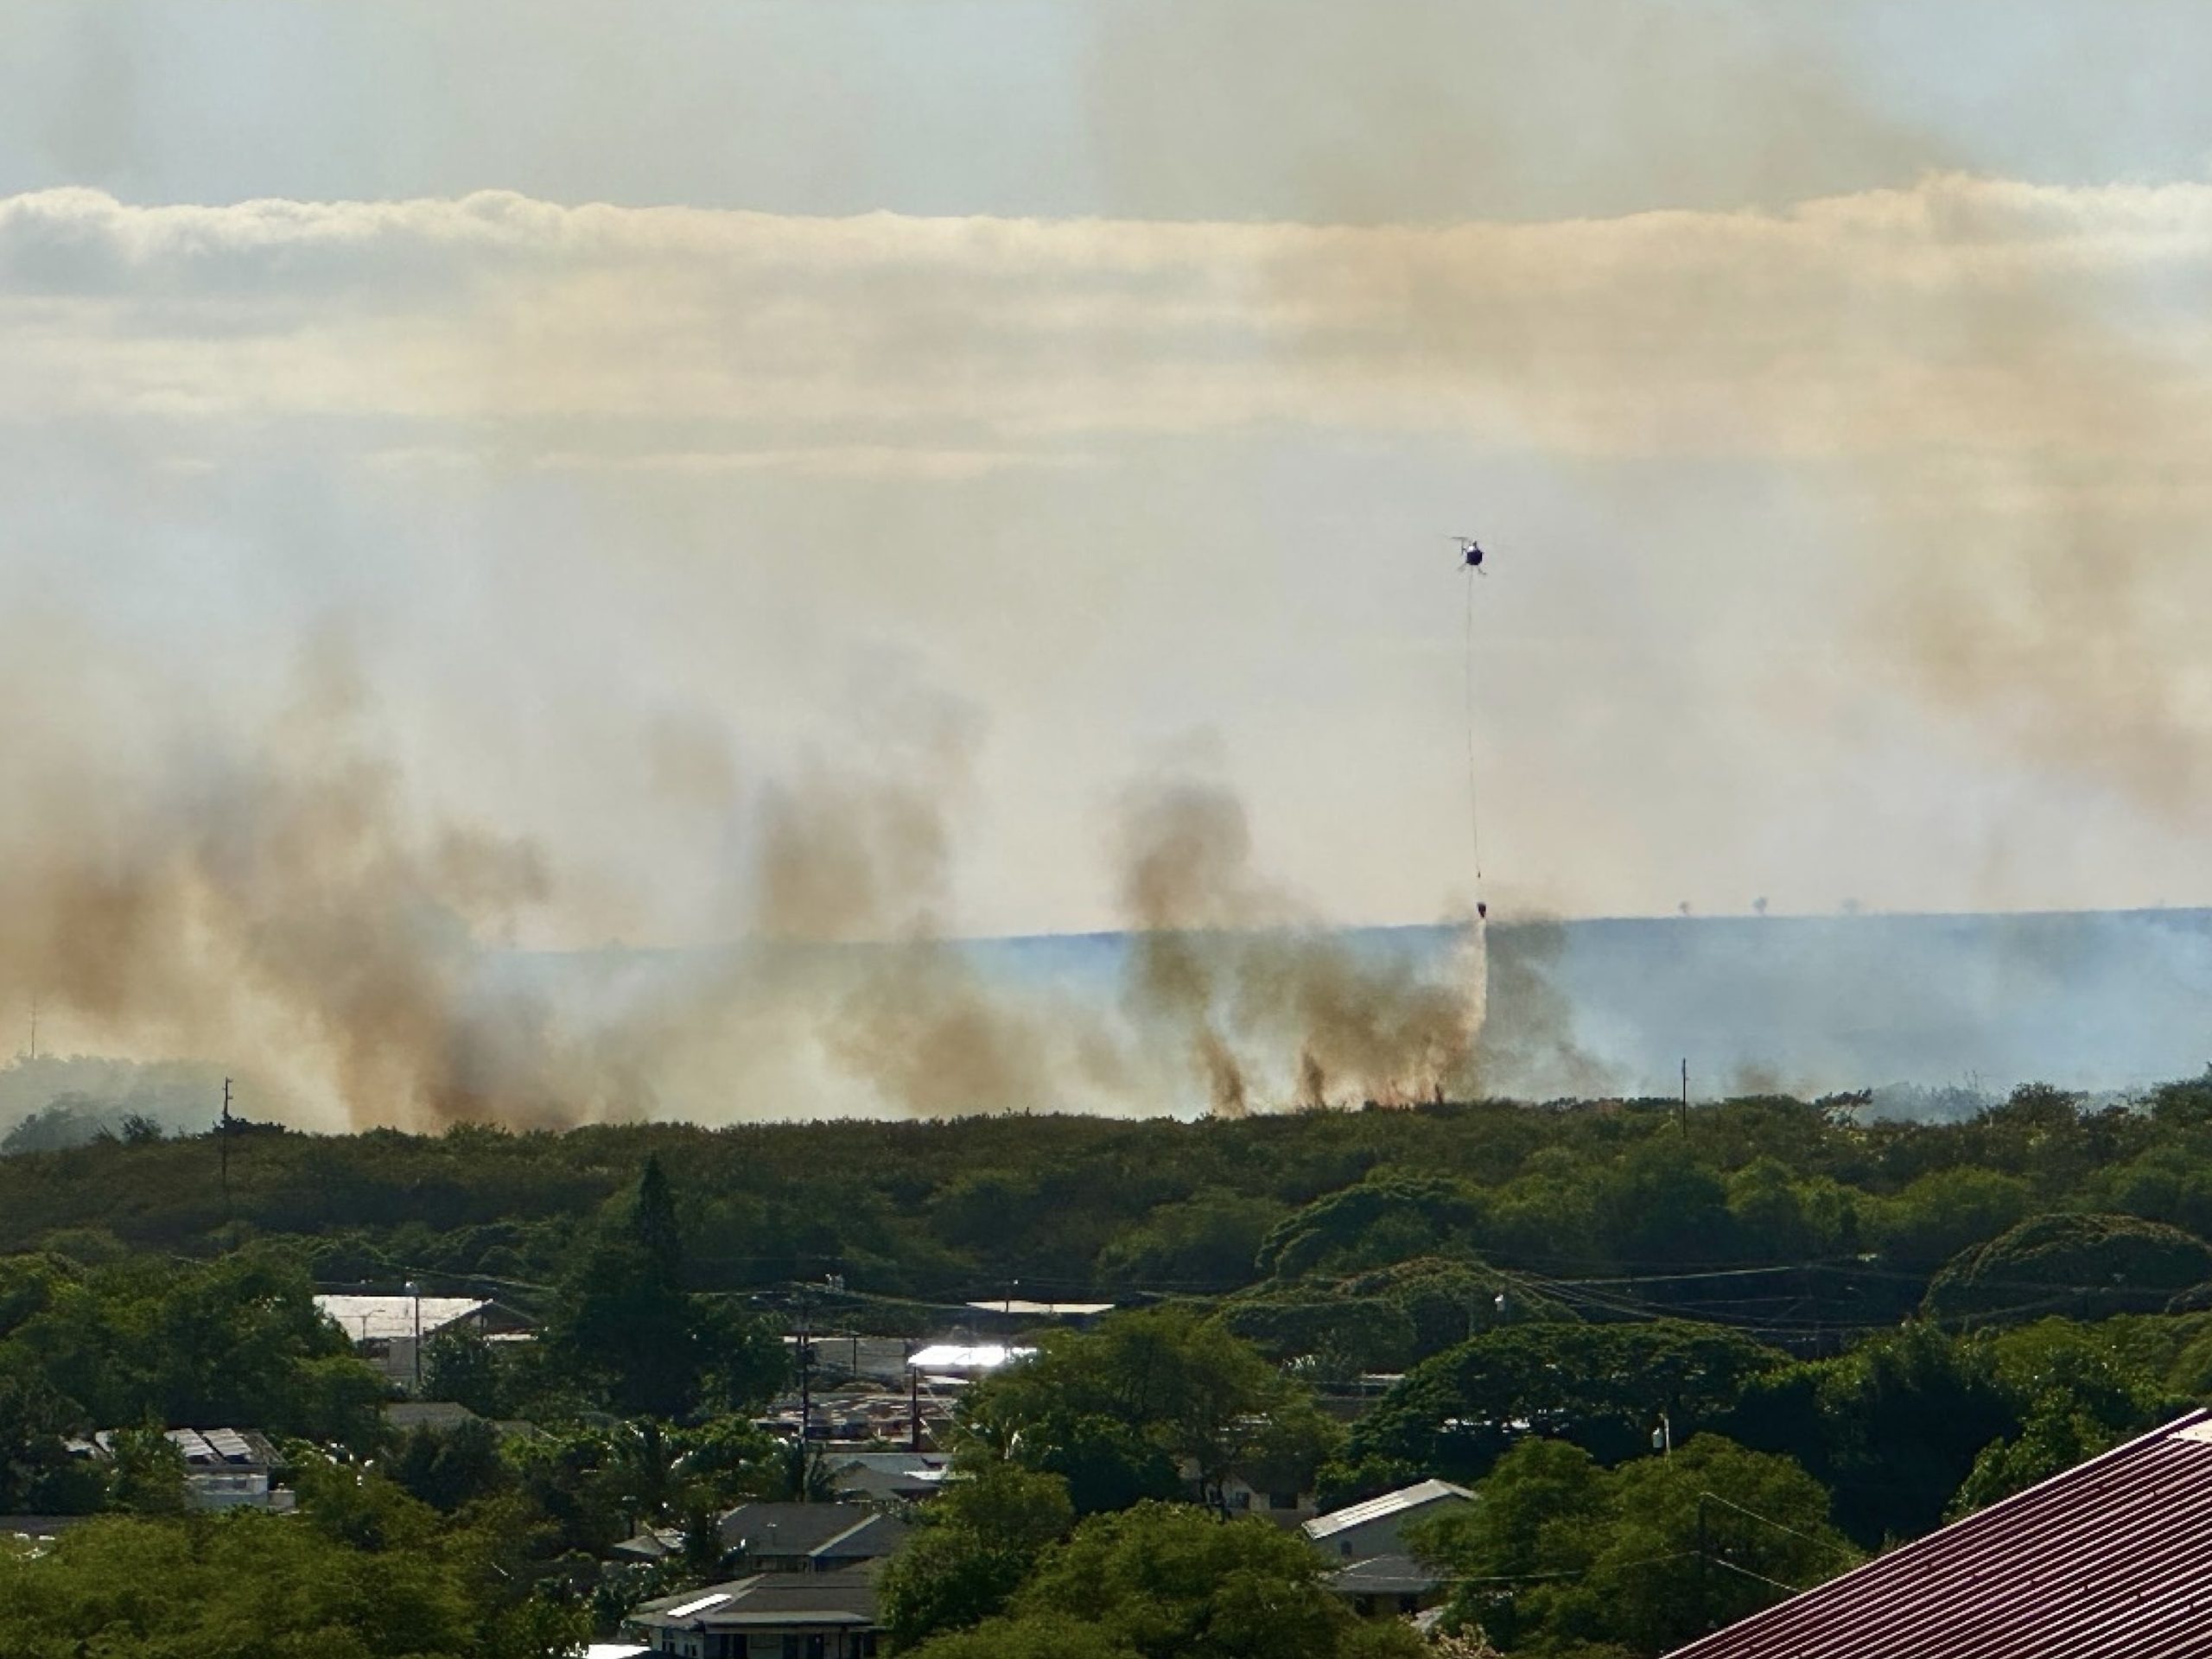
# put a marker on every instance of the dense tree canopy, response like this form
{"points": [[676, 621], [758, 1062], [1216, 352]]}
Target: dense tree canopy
{"points": [[1563, 1556], [1172, 1581], [1605, 1387], [1889, 1323], [1153, 1398], [246, 1585]]}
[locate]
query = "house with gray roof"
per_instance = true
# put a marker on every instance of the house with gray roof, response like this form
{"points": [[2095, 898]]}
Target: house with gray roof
{"points": [[1387, 1586], [783, 1538], [808, 1537], [766, 1615], [884, 1476]]}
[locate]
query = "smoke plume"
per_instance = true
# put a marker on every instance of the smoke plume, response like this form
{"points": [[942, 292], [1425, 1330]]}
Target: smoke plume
{"points": [[1221, 966]]}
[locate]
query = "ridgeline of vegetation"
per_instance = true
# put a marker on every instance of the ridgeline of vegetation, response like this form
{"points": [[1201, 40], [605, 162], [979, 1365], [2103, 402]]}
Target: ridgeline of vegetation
{"points": [[1849, 1331]]}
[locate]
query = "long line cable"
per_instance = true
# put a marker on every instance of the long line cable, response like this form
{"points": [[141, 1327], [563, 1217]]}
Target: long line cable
{"points": [[1474, 795]]}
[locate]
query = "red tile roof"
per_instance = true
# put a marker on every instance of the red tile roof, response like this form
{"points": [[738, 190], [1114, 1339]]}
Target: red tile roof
{"points": [[2106, 1561]]}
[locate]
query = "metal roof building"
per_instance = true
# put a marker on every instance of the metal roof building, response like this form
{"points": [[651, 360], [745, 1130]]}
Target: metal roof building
{"points": [[831, 1615], [1363, 1530], [2105, 1561], [965, 1359], [387, 1319]]}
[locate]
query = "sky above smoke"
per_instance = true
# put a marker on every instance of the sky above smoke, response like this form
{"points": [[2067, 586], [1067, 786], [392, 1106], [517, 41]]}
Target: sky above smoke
{"points": [[790, 471]]}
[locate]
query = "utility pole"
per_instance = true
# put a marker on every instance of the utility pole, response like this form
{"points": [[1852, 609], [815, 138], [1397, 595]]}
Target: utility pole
{"points": [[34, 1027], [223, 1141], [1685, 1094], [415, 1289], [805, 1387]]}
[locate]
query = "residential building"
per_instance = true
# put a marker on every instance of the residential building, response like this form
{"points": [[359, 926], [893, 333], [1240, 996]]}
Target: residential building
{"points": [[1363, 1531], [224, 1468], [887, 1477], [808, 1537], [653, 1544], [1388, 1586], [767, 1615], [783, 1538], [1277, 1497], [2100, 1562]]}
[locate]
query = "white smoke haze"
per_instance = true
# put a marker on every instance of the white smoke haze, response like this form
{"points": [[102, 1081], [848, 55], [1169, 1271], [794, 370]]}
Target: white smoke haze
{"points": [[1851, 542], [1841, 325]]}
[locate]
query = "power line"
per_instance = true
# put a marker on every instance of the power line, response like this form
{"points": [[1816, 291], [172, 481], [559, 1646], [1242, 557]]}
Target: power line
{"points": [[1722, 1560], [1768, 1520]]}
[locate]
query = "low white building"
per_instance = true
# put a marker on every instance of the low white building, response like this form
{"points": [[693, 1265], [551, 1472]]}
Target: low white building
{"points": [[1361, 1532], [388, 1332]]}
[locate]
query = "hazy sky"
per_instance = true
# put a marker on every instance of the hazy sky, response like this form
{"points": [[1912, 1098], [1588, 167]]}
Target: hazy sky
{"points": [[655, 403]]}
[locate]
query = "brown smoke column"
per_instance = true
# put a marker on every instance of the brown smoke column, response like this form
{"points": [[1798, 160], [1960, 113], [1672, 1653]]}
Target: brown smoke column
{"points": [[281, 902], [1219, 965]]}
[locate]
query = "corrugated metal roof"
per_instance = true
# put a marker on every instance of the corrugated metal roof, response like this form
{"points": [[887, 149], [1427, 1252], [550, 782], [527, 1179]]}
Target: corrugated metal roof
{"points": [[203, 1449], [2105, 1561], [1379, 1509], [386, 1318]]}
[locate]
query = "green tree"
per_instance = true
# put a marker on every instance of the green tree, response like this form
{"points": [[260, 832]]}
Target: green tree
{"points": [[743, 1361], [1892, 1426], [1206, 1242], [1040, 1636], [2077, 1391], [245, 1585], [1391, 1217], [1602, 1386], [449, 1467], [234, 1341], [1120, 1412], [1748, 1523], [1659, 1207], [459, 1364], [1562, 1555], [1946, 1211], [971, 1550], [2083, 1265], [148, 1478], [1172, 1581], [38, 1476], [627, 1329]]}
